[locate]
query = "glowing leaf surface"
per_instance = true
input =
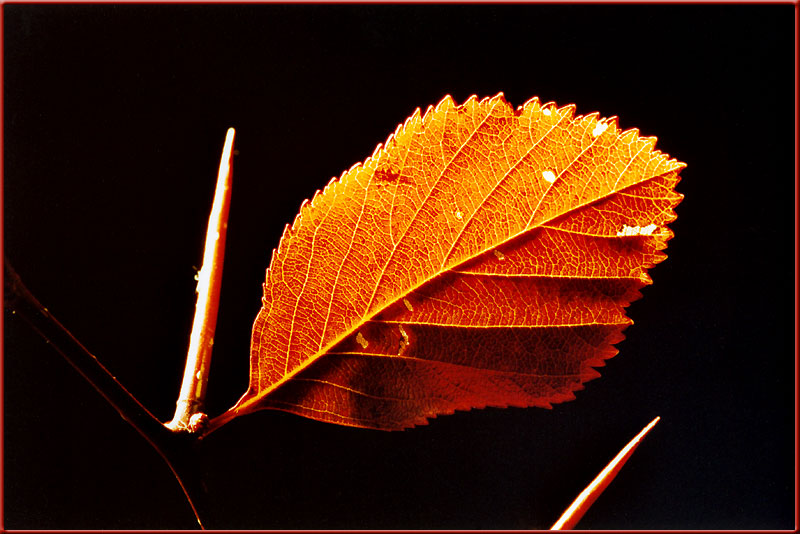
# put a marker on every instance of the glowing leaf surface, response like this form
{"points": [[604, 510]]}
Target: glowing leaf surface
{"points": [[482, 257]]}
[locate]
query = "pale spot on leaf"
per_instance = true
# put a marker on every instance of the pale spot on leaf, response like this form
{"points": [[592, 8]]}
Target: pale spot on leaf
{"points": [[599, 129], [636, 230], [408, 305], [404, 342], [499, 255], [362, 341], [549, 176]]}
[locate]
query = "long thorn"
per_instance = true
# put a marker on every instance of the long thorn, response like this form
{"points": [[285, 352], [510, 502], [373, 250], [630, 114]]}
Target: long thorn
{"points": [[581, 504], [198, 360]]}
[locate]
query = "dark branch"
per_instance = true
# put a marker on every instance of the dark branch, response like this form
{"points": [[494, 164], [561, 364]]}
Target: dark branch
{"points": [[176, 448]]}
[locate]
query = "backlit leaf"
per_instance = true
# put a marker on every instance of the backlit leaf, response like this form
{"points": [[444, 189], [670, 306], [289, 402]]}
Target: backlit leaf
{"points": [[482, 257]]}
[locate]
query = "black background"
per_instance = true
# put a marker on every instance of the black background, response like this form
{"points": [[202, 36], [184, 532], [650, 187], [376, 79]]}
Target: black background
{"points": [[114, 118]]}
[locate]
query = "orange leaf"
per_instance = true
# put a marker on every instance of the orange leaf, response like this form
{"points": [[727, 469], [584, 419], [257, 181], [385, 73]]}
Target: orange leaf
{"points": [[482, 257]]}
